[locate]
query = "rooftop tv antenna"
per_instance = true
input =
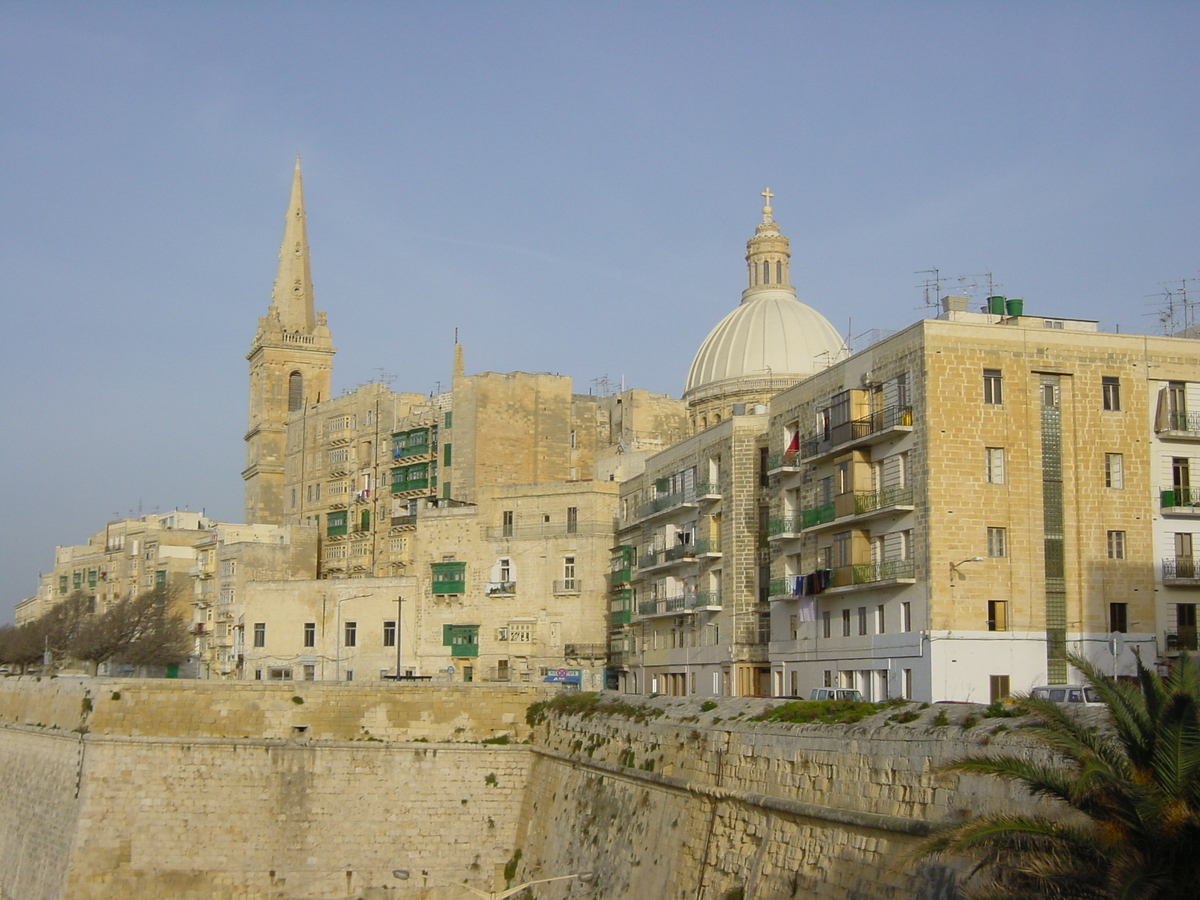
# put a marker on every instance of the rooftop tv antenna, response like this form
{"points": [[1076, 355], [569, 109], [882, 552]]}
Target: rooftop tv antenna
{"points": [[604, 386], [967, 286], [384, 376], [1177, 311], [932, 288]]}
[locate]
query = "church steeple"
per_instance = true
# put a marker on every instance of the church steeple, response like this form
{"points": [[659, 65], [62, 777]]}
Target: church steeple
{"points": [[767, 255], [291, 359], [292, 296]]}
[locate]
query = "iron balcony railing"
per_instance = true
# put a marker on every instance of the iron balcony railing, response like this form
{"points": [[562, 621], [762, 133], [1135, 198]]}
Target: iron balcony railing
{"points": [[1180, 567], [500, 588], [646, 560], [788, 459], [702, 599], [585, 651], [856, 430], [1180, 497], [665, 502], [882, 499], [1183, 421], [568, 586], [708, 489], [885, 570], [707, 547], [679, 603], [1182, 638]]}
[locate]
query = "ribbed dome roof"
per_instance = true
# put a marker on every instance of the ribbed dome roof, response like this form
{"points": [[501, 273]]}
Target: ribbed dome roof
{"points": [[771, 334]]}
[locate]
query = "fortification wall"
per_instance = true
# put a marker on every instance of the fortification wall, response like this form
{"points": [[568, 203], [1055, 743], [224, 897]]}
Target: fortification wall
{"points": [[323, 710], [692, 805], [39, 811], [680, 802], [215, 819]]}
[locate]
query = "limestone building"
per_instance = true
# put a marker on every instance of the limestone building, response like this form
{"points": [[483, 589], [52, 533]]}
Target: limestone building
{"points": [[444, 498], [125, 558], [955, 507], [688, 605]]}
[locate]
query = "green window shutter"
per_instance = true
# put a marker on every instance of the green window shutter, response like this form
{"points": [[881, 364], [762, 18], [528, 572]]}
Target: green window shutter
{"points": [[447, 635], [446, 454], [449, 419]]}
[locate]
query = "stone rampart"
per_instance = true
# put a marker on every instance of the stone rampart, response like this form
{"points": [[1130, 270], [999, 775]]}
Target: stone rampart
{"points": [[185, 790], [693, 804]]}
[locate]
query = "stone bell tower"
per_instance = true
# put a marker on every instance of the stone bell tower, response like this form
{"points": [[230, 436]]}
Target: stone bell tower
{"points": [[291, 360]]}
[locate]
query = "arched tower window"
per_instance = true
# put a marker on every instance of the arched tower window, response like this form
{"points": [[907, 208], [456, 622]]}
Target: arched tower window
{"points": [[766, 272], [295, 391], [779, 271]]}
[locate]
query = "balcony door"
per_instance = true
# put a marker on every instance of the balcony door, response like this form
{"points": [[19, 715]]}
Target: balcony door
{"points": [[1185, 562]]}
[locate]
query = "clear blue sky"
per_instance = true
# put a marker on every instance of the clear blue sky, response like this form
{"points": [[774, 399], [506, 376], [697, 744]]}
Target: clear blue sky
{"points": [[570, 184]]}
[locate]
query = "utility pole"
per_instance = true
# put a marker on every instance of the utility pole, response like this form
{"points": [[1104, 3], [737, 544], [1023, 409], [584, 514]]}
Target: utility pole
{"points": [[399, 634]]}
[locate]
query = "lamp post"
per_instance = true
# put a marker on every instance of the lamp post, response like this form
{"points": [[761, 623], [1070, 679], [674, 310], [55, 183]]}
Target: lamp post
{"points": [[399, 635], [585, 877], [337, 637]]}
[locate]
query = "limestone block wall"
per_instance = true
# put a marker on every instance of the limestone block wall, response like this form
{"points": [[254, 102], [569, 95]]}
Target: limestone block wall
{"points": [[215, 819], [283, 710], [39, 777], [684, 806]]}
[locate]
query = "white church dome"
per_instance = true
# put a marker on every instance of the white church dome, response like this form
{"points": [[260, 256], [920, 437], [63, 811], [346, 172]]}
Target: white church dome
{"points": [[771, 335]]}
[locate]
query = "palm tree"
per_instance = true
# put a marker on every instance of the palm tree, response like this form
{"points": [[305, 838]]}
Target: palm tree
{"points": [[1130, 792]]}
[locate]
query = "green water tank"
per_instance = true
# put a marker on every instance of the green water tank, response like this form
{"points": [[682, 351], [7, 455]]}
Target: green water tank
{"points": [[1015, 306], [996, 306]]}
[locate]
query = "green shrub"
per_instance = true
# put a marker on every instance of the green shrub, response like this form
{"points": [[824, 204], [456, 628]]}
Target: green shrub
{"points": [[116, 695], [829, 712], [510, 867], [297, 700], [708, 705], [941, 718], [500, 739]]}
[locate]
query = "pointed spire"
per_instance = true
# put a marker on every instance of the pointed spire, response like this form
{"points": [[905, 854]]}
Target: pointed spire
{"points": [[292, 296]]}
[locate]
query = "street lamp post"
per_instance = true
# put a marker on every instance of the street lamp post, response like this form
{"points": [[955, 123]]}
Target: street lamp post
{"points": [[399, 635]]}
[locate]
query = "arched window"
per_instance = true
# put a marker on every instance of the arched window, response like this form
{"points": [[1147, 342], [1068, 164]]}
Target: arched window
{"points": [[779, 271], [295, 391], [766, 272]]}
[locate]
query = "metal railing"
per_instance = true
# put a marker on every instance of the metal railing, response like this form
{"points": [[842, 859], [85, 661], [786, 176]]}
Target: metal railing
{"points": [[568, 586], [665, 502], [1180, 567], [500, 588], [856, 430], [885, 570], [1182, 638], [1183, 421], [585, 651], [707, 546], [788, 459], [1176, 497], [882, 499]]}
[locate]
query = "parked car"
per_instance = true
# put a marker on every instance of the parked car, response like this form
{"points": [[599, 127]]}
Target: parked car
{"points": [[835, 694], [1067, 693]]}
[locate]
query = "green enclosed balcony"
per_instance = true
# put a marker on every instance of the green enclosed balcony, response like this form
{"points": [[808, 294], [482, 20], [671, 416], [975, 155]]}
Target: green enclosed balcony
{"points": [[464, 649], [618, 576], [621, 617], [449, 578]]}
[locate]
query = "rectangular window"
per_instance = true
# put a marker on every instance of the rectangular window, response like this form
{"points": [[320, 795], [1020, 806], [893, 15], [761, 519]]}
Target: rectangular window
{"points": [[260, 634], [826, 630], [880, 621], [506, 523], [310, 634], [997, 619], [389, 634], [845, 623], [792, 627], [998, 688], [906, 616], [1116, 545], [1111, 389], [862, 620], [310, 673], [907, 685], [993, 392], [1118, 617], [572, 519], [841, 549], [1114, 470], [351, 635], [995, 465], [997, 542]]}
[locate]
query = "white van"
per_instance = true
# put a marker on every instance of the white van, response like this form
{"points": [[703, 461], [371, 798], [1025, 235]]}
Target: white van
{"points": [[836, 694], [1067, 693]]}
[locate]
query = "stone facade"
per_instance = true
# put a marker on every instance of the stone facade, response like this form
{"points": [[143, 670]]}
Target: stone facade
{"points": [[974, 496]]}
